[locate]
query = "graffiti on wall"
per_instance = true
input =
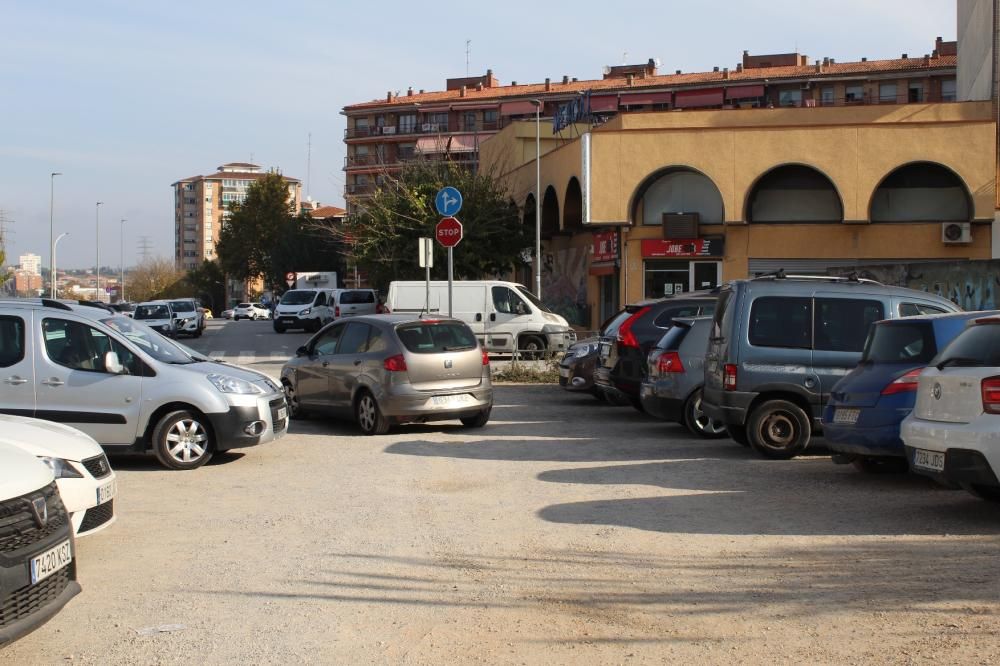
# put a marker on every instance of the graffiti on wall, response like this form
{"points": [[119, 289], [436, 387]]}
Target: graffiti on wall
{"points": [[973, 285], [564, 284]]}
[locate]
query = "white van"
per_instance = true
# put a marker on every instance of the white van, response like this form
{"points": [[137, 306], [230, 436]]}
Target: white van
{"points": [[353, 302], [504, 316], [308, 309]]}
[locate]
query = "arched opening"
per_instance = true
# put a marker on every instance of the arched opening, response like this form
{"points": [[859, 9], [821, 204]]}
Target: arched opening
{"points": [[677, 190], [528, 217], [921, 192], [573, 208], [550, 213], [794, 193]]}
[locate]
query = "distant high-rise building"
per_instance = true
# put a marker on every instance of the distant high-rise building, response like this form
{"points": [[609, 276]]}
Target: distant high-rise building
{"points": [[31, 263]]}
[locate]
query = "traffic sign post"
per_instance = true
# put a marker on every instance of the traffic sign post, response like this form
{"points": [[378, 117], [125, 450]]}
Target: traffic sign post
{"points": [[289, 278], [449, 233], [448, 201], [426, 255]]}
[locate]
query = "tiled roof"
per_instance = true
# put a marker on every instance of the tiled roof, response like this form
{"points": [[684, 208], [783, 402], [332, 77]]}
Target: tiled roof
{"points": [[243, 175], [771, 74], [327, 211]]}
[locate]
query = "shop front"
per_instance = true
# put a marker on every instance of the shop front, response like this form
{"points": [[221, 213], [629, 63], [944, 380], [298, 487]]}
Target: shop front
{"points": [[605, 263], [671, 267]]}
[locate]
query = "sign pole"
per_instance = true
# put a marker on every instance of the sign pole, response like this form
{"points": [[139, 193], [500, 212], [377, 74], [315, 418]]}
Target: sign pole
{"points": [[451, 276], [427, 277]]}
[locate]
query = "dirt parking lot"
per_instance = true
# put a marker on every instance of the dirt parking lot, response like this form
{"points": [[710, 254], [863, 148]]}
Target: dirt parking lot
{"points": [[566, 531]]}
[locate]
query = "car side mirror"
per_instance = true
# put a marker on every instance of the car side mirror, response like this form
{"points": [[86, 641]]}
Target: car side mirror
{"points": [[302, 351], [113, 364]]}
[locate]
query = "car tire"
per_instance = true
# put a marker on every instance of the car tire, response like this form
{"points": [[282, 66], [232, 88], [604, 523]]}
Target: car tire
{"points": [[368, 415], [778, 429], [880, 465], [477, 421], [698, 422], [531, 347], [295, 410], [599, 394], [738, 434], [279, 329], [182, 440], [636, 402], [988, 493]]}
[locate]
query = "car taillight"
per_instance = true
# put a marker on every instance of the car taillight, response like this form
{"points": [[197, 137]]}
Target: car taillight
{"points": [[626, 338], [729, 377], [486, 357], [395, 363], [905, 384], [336, 311], [669, 362], [991, 395], [379, 308]]}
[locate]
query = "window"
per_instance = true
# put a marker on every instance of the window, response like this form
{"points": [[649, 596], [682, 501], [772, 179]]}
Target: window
{"points": [[376, 341], [887, 93], [914, 309], [469, 120], [507, 302], [428, 338], [916, 92], [80, 347], [406, 151], [781, 322], [827, 96], [354, 340], [664, 277], [407, 122], [842, 323], [854, 94], [976, 346], [326, 345], [361, 123], [11, 341], [666, 318], [790, 97], [439, 119], [948, 90], [901, 343], [490, 116], [321, 298], [358, 296]]}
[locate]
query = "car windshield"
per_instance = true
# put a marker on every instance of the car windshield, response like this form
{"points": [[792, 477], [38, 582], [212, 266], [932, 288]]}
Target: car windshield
{"points": [[151, 342], [152, 312], [182, 306], [436, 337], [976, 346], [531, 297], [298, 297], [890, 342]]}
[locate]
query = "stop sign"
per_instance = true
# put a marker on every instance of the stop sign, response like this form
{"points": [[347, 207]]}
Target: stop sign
{"points": [[448, 232]]}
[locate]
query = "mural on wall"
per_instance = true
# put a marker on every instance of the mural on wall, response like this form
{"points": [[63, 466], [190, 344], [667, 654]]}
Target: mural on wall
{"points": [[564, 284], [973, 285]]}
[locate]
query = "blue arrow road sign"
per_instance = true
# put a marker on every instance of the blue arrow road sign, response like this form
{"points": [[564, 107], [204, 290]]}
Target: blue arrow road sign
{"points": [[448, 201]]}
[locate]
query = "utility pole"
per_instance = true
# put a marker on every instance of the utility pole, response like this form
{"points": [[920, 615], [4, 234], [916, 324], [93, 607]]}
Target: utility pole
{"points": [[144, 246]]}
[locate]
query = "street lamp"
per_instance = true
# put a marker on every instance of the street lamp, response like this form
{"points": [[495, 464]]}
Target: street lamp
{"points": [[52, 243], [121, 294], [97, 218], [537, 103]]}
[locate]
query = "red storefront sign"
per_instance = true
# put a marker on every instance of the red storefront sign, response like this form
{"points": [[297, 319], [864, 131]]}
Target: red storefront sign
{"points": [[681, 248], [605, 246]]}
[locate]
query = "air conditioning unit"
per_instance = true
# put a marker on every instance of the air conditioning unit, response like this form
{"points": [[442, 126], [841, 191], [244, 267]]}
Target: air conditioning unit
{"points": [[680, 226], [388, 130], [429, 127], [956, 233]]}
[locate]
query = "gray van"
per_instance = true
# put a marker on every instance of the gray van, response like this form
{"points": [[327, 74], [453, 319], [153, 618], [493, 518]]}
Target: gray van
{"points": [[780, 343]]}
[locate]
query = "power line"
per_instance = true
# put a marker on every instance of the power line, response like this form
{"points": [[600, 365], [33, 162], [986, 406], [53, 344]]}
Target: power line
{"points": [[144, 245]]}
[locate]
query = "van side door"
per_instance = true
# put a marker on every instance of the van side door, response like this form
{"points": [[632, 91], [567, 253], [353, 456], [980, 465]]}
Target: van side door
{"points": [[17, 372], [509, 316], [841, 324]]}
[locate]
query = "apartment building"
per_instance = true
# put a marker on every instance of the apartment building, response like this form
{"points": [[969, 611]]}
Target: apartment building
{"points": [[30, 263], [201, 208], [383, 134]]}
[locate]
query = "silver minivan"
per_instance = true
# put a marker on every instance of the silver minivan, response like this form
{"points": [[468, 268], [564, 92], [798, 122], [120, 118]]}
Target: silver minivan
{"points": [[129, 387]]}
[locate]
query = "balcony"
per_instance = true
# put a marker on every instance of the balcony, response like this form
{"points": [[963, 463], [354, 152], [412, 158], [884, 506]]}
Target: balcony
{"points": [[363, 160], [360, 189]]}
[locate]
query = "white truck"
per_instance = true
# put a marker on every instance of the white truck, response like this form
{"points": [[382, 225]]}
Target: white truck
{"points": [[504, 315], [315, 280]]}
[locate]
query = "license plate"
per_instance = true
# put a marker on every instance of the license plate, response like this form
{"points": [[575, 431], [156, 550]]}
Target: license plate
{"points": [[605, 349], [443, 400], [932, 460], [282, 413], [564, 372], [849, 416], [51, 561], [106, 492]]}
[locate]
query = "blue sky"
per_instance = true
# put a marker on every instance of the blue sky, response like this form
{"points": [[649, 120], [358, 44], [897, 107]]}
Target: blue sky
{"points": [[126, 97]]}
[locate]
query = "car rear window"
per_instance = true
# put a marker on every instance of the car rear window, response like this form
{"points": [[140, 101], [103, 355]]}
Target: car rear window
{"points": [[721, 323], [152, 312], [436, 337], [911, 342], [182, 306], [666, 318], [672, 339], [611, 326], [977, 346], [352, 297]]}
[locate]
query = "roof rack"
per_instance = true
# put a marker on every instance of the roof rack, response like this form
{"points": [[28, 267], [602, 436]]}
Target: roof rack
{"points": [[96, 304], [59, 305], [781, 275]]}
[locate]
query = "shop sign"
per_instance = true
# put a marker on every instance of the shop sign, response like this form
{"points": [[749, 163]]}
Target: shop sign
{"points": [[605, 246], [681, 248]]}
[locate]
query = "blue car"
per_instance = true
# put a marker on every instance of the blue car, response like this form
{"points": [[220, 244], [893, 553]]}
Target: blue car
{"points": [[861, 420]]}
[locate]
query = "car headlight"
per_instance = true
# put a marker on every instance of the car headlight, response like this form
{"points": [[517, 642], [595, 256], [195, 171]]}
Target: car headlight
{"points": [[61, 469], [227, 384], [306, 311], [553, 328]]}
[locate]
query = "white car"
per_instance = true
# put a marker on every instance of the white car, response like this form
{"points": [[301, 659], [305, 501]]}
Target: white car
{"points": [[953, 432], [250, 311], [85, 480]]}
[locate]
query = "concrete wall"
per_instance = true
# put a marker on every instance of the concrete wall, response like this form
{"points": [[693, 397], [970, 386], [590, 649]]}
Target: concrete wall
{"points": [[975, 49], [971, 284]]}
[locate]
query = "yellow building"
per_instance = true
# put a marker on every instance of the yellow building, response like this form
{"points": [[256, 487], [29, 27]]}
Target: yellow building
{"points": [[652, 203]]}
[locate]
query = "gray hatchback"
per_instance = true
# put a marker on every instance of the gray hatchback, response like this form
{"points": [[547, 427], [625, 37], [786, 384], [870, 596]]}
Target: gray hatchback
{"points": [[383, 370]]}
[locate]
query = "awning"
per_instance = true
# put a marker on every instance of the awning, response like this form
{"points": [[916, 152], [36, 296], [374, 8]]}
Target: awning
{"points": [[463, 143], [432, 144], [475, 107], [744, 92], [603, 103], [517, 108], [689, 99], [646, 99]]}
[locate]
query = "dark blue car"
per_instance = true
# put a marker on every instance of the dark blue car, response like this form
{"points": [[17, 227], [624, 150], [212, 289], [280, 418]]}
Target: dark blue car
{"points": [[861, 420]]}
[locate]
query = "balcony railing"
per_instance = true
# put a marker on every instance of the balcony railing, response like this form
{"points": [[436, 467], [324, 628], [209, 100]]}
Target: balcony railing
{"points": [[358, 189]]}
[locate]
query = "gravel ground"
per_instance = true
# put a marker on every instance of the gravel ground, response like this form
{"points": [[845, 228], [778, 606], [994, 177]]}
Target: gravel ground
{"points": [[566, 531]]}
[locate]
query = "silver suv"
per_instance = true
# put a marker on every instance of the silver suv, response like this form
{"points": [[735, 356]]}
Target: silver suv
{"points": [[382, 370], [128, 387]]}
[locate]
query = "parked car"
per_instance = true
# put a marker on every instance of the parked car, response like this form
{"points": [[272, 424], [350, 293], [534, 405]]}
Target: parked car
{"points": [[128, 387], [577, 366], [621, 367], [85, 479], [308, 309], [227, 314], [780, 343], [158, 316], [253, 311], [353, 302], [190, 320], [951, 434], [37, 551], [861, 420], [383, 370], [675, 375]]}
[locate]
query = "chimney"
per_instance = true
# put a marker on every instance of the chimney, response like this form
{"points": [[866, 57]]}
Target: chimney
{"points": [[462, 91], [409, 91], [575, 79], [905, 56], [739, 67], [677, 72], [725, 73], [388, 96], [548, 84], [927, 59], [565, 79], [629, 78], [513, 83], [826, 61], [819, 66], [832, 61], [421, 91], [715, 69], [934, 54], [864, 59]]}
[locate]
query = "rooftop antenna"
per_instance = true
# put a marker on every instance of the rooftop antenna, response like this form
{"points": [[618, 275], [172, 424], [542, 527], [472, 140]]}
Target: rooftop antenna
{"points": [[624, 57], [468, 55]]}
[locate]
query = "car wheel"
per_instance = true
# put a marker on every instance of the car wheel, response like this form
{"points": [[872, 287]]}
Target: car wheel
{"points": [[636, 402], [880, 465], [989, 493], [369, 416], [295, 410], [738, 434], [531, 347], [197, 333], [778, 429], [698, 422], [599, 394], [279, 329], [479, 420], [181, 440]]}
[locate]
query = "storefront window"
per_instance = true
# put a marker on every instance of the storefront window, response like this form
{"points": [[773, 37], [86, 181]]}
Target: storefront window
{"points": [[665, 278]]}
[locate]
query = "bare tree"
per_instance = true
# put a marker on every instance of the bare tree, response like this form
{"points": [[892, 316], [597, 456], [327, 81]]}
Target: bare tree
{"points": [[154, 278]]}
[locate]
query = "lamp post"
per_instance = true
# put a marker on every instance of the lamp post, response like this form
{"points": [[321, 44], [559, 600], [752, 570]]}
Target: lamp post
{"points": [[121, 294], [52, 243], [97, 219], [538, 197]]}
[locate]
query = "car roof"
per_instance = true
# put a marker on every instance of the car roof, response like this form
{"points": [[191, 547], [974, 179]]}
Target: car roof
{"points": [[87, 309], [677, 298], [789, 284], [403, 318], [981, 314]]}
